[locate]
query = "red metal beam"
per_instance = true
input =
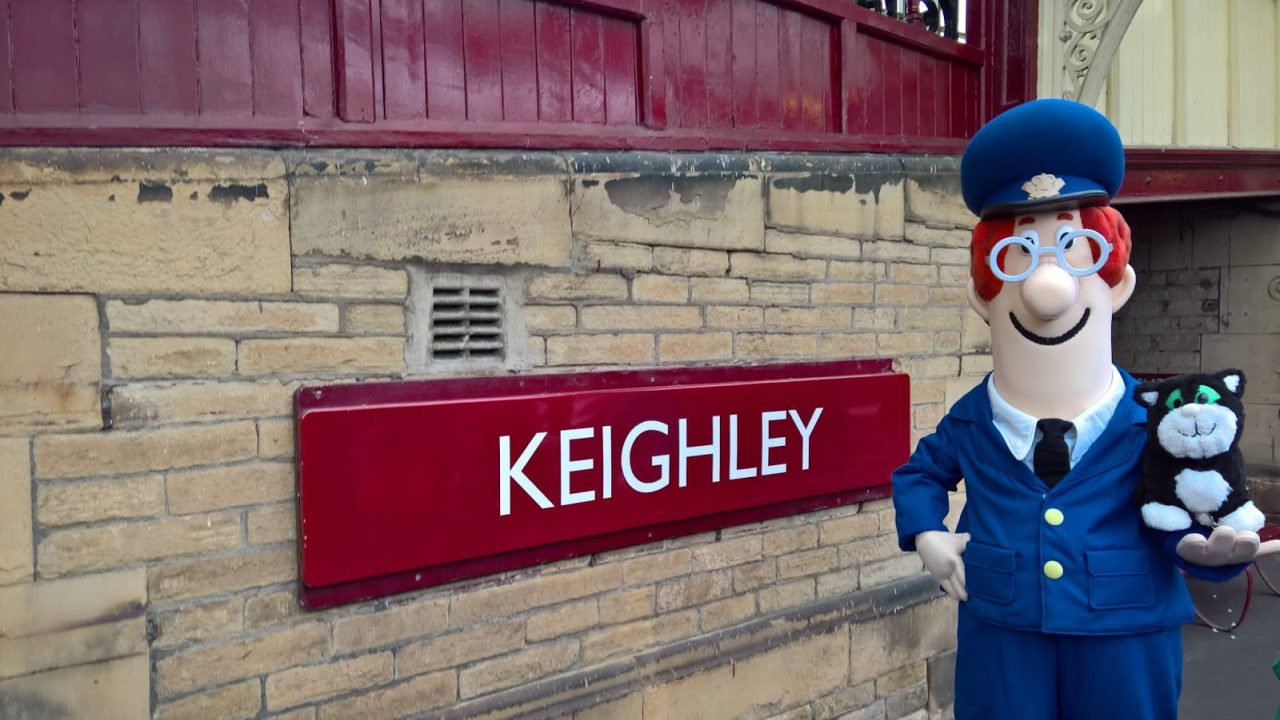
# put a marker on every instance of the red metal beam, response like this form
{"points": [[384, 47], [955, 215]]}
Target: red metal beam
{"points": [[1163, 174]]}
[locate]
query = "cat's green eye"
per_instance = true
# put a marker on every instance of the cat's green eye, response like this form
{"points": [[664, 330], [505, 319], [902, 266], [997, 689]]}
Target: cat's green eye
{"points": [[1206, 395], [1175, 400]]}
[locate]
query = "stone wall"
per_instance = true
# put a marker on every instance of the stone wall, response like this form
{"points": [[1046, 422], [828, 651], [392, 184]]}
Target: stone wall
{"points": [[159, 308]]}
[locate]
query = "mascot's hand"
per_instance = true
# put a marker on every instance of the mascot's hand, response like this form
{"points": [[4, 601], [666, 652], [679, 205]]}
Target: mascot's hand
{"points": [[1224, 546], [941, 552]]}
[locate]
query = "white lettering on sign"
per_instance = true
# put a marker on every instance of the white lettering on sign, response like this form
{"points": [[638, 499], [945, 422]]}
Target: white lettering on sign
{"points": [[772, 436]]}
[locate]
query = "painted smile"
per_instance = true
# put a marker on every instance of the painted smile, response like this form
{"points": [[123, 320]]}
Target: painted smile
{"points": [[1040, 340]]}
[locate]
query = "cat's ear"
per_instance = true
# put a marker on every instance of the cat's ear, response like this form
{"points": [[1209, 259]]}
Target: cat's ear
{"points": [[1233, 379], [1147, 393]]}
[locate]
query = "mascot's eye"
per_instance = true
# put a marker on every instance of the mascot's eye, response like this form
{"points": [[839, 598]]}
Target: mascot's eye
{"points": [[1175, 400], [1062, 233], [1206, 395]]}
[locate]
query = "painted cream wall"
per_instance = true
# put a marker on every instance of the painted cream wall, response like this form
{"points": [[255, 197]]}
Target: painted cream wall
{"points": [[1188, 73]]}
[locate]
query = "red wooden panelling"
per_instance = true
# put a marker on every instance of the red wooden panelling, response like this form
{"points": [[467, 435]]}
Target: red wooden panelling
{"points": [[555, 63], [168, 62], [403, 61], [316, 18], [692, 77], [277, 58], [719, 26], [482, 58], [6, 87], [588, 67], [109, 56], [226, 69], [790, 66], [446, 73], [353, 61], [519, 60], [768, 85], [621, 78], [745, 112], [44, 56]]}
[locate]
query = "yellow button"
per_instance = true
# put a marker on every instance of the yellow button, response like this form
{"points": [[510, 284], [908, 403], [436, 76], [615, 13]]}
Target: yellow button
{"points": [[1053, 516], [1053, 569]]}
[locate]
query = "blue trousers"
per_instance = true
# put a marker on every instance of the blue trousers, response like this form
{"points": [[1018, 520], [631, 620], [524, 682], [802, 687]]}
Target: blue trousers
{"points": [[1004, 674]]}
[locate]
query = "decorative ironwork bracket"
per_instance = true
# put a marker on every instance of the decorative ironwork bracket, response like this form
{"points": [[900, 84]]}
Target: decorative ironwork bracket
{"points": [[1091, 35]]}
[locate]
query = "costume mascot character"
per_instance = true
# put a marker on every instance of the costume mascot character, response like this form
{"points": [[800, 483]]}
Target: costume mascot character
{"points": [[1070, 607]]}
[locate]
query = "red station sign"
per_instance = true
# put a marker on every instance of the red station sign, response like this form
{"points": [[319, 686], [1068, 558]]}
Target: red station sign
{"points": [[412, 484]]}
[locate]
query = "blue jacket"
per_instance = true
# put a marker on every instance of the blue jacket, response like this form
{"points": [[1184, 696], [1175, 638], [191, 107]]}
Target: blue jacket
{"points": [[1114, 575]]}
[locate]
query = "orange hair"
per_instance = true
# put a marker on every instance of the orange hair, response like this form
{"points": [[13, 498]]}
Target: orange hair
{"points": [[1105, 220]]}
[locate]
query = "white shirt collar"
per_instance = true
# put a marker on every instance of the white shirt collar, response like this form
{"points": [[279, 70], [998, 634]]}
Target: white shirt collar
{"points": [[1019, 429]]}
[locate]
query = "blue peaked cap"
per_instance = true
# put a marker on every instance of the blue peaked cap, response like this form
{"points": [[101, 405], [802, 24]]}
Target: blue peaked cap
{"points": [[1040, 155]]}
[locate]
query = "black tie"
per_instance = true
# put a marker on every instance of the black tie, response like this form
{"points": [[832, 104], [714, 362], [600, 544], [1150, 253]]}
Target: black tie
{"points": [[1050, 459]]}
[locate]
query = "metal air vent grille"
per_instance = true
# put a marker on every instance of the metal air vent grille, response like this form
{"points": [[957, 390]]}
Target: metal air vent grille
{"points": [[466, 323]]}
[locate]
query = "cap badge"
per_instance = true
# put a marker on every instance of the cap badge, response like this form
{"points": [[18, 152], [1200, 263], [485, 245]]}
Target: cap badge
{"points": [[1042, 186]]}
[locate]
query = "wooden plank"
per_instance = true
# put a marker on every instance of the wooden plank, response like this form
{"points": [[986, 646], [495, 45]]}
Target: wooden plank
{"points": [[790, 68], [831, 109], [277, 58], [167, 58], [404, 64], [620, 76], [668, 13], [815, 74], [446, 70], [743, 32], [893, 73], [653, 75], [587, 38], [316, 18], [719, 14], [555, 63], [6, 70], [482, 58], [957, 114], [871, 85], [769, 90], [911, 86], [44, 56], [693, 64], [1252, 44], [519, 60], [851, 103], [226, 70], [108, 34]]}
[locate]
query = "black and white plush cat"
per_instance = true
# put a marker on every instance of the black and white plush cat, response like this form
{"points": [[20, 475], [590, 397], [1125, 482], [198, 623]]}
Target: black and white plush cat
{"points": [[1192, 467]]}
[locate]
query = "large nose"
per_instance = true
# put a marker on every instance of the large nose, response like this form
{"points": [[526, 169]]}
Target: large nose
{"points": [[1050, 291]]}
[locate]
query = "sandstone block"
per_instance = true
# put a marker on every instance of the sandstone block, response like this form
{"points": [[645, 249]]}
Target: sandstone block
{"points": [[847, 345], [844, 700], [789, 540], [808, 562], [774, 293], [886, 250], [723, 613], [792, 675], [536, 662], [718, 212], [415, 619], [906, 273], [762, 266], [933, 193], [902, 294], [901, 679], [196, 491], [124, 685], [275, 439], [754, 576], [52, 606], [53, 381], [550, 318], [863, 270], [315, 682], [67, 456], [652, 568], [640, 317], [397, 701], [567, 619], [892, 344], [660, 289], [82, 502], [847, 529], [163, 237], [786, 595], [686, 261], [240, 659], [375, 319], [503, 600], [220, 317], [134, 358], [460, 648], [719, 290], [194, 623], [737, 317], [833, 318], [726, 553], [577, 287], [842, 293], [272, 609], [626, 606], [233, 702], [894, 641], [15, 511], [631, 348], [272, 524], [31, 653], [838, 582], [863, 204], [758, 346], [322, 355], [694, 589], [599, 255], [630, 637], [867, 551], [945, 237], [106, 546], [350, 281], [215, 576], [438, 218], [695, 347], [811, 246]]}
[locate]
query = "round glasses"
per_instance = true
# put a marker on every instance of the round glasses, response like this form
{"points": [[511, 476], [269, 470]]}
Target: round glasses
{"points": [[1080, 252]]}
